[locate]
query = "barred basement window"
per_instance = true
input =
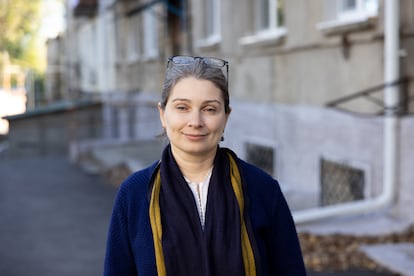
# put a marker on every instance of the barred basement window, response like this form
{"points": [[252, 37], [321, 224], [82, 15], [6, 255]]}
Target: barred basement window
{"points": [[340, 183], [261, 156]]}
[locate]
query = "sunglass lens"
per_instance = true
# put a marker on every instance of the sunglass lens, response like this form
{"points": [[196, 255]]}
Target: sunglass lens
{"points": [[214, 62], [182, 60]]}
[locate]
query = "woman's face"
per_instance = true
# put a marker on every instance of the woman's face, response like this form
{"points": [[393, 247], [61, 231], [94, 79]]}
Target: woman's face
{"points": [[194, 117]]}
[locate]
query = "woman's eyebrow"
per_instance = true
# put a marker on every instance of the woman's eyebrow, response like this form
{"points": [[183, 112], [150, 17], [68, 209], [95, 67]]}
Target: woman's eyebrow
{"points": [[213, 101], [188, 100], [180, 100]]}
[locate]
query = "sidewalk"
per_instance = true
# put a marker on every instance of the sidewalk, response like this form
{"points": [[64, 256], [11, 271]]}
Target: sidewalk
{"points": [[53, 218]]}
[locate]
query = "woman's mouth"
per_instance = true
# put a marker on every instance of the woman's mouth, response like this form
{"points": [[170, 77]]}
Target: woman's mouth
{"points": [[192, 136]]}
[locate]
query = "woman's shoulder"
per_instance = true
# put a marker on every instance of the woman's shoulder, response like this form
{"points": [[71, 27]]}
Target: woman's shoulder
{"points": [[137, 182], [257, 180], [253, 172]]}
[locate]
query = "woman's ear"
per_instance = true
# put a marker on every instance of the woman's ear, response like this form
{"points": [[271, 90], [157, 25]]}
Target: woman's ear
{"points": [[228, 114], [161, 111]]}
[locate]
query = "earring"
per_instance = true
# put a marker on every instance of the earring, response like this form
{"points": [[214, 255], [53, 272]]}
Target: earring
{"points": [[222, 139]]}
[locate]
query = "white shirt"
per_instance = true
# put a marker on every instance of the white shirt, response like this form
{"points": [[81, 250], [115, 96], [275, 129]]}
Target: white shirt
{"points": [[200, 191]]}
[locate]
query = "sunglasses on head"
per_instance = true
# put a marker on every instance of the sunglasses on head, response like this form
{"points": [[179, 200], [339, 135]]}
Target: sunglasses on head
{"points": [[210, 61]]}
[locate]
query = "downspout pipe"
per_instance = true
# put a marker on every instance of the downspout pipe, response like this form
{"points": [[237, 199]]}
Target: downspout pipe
{"points": [[391, 132]]}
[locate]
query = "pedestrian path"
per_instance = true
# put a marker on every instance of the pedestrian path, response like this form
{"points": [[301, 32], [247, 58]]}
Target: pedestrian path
{"points": [[53, 218]]}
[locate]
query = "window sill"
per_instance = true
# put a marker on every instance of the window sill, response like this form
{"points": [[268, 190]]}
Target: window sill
{"points": [[150, 56], [126, 62], [270, 37], [209, 42], [347, 25], [131, 59]]}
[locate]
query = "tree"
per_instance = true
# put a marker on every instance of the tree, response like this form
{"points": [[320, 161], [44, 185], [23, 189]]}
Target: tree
{"points": [[19, 23]]}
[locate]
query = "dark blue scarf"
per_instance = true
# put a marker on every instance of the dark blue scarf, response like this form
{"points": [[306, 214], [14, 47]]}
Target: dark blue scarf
{"points": [[225, 246]]}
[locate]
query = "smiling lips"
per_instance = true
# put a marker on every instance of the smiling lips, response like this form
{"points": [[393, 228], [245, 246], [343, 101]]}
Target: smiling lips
{"points": [[195, 136]]}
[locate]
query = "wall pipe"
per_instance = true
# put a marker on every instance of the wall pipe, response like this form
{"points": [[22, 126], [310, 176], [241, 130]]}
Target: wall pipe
{"points": [[391, 131]]}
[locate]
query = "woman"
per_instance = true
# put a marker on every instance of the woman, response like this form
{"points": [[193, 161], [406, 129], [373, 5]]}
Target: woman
{"points": [[200, 210]]}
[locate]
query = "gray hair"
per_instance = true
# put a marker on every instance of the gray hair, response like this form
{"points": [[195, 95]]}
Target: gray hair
{"points": [[199, 70]]}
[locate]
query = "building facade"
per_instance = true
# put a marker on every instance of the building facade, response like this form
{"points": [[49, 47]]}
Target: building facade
{"points": [[288, 61]]}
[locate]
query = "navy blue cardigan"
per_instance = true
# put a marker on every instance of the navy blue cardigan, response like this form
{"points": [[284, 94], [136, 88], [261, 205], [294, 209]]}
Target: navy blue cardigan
{"points": [[130, 247]]}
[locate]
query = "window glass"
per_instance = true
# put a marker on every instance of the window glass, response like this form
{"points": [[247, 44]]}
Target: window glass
{"points": [[371, 6], [348, 9], [132, 45], [269, 15], [211, 22], [150, 34], [348, 5], [280, 13], [262, 15]]}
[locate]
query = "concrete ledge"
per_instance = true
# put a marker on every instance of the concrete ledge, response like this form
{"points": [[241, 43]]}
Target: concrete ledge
{"points": [[49, 130], [376, 224], [100, 155], [398, 257]]}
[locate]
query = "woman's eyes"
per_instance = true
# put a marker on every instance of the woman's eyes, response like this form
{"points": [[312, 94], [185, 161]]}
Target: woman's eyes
{"points": [[209, 109], [181, 107]]}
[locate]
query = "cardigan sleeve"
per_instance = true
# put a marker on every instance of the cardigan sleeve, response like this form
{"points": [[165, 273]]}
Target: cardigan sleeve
{"points": [[119, 259], [287, 254], [275, 230]]}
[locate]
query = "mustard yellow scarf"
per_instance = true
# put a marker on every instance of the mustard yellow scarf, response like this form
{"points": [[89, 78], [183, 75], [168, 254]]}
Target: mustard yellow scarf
{"points": [[169, 172]]}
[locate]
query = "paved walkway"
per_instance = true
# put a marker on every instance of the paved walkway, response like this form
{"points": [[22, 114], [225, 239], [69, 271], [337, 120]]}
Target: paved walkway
{"points": [[53, 218]]}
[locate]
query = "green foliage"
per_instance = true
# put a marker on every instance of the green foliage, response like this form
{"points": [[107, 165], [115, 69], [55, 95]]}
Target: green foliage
{"points": [[19, 23]]}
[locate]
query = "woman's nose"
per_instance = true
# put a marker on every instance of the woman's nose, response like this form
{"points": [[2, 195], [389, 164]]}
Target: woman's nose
{"points": [[195, 119]]}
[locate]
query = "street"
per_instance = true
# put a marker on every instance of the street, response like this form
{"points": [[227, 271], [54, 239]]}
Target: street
{"points": [[53, 218]]}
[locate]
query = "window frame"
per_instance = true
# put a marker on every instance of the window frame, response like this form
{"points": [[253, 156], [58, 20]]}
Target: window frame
{"points": [[343, 21], [269, 143], [132, 43], [150, 34], [354, 163], [272, 33], [210, 24], [358, 11]]}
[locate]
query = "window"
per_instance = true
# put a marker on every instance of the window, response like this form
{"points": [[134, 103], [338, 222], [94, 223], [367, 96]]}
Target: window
{"points": [[211, 23], [348, 9], [347, 15], [211, 20], [132, 38], [268, 15], [340, 183], [261, 156], [261, 152], [88, 56], [150, 34], [268, 22]]}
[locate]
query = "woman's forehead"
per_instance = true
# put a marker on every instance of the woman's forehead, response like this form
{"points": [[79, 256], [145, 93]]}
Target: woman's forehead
{"points": [[192, 88]]}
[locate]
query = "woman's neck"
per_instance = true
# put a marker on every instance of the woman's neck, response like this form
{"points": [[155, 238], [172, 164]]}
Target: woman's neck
{"points": [[193, 167]]}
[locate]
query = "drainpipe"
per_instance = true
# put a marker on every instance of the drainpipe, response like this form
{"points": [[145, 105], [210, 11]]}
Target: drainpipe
{"points": [[391, 131]]}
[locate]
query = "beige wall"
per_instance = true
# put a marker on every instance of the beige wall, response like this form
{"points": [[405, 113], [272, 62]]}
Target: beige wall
{"points": [[279, 88], [306, 66]]}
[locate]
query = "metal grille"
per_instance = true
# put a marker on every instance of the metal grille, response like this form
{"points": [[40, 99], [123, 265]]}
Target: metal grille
{"points": [[261, 156], [340, 183]]}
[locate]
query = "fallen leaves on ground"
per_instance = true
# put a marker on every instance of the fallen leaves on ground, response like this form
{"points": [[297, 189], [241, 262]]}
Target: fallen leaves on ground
{"points": [[341, 252]]}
